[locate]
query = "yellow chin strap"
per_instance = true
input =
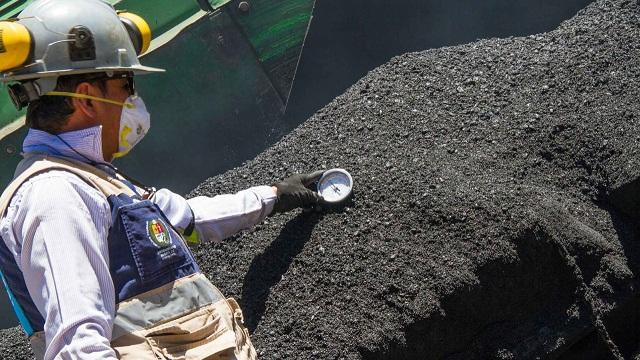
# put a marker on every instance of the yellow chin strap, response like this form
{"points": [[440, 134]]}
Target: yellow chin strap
{"points": [[89, 97]]}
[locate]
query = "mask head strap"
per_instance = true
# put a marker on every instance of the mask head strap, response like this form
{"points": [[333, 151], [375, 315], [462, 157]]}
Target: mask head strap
{"points": [[128, 105]]}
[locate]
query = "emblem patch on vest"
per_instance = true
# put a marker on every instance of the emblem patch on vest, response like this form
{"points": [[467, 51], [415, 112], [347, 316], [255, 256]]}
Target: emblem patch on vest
{"points": [[158, 233]]}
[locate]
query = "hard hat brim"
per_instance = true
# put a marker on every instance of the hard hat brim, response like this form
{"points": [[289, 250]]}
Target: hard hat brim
{"points": [[135, 69], [141, 70]]}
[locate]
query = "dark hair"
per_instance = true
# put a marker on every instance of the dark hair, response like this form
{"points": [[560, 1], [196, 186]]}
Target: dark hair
{"points": [[51, 113]]}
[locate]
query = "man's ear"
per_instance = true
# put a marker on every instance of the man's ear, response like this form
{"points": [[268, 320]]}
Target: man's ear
{"points": [[86, 106]]}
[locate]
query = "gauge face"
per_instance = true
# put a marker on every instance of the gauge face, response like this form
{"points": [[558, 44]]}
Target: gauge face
{"points": [[335, 185]]}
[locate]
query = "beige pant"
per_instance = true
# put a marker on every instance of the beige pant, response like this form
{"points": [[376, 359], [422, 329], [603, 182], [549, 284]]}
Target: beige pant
{"points": [[214, 332]]}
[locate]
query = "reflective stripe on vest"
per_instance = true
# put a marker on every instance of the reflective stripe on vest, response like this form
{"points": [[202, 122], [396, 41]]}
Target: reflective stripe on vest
{"points": [[17, 307]]}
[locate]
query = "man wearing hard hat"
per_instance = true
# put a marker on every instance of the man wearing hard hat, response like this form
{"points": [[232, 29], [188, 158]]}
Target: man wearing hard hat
{"points": [[96, 264]]}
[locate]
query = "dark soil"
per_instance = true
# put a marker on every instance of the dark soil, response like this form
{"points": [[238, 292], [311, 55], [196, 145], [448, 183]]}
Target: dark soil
{"points": [[495, 209]]}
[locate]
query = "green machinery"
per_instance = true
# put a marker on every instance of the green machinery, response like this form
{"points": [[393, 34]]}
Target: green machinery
{"points": [[230, 67]]}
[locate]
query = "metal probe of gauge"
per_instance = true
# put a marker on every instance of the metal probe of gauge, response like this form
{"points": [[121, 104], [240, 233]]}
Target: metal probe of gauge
{"points": [[335, 186]]}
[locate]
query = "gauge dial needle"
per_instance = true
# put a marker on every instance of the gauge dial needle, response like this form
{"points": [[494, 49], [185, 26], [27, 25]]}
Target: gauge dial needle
{"points": [[335, 188]]}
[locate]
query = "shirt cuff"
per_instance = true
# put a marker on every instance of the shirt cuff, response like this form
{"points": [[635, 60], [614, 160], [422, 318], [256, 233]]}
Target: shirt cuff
{"points": [[268, 197]]}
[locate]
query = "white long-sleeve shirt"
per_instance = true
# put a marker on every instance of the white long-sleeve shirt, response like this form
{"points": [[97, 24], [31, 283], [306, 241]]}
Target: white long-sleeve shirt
{"points": [[56, 227]]}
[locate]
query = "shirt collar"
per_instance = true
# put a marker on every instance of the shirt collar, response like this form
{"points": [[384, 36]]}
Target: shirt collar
{"points": [[87, 144]]}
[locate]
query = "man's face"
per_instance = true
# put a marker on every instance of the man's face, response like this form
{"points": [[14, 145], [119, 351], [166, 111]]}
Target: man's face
{"points": [[108, 115]]}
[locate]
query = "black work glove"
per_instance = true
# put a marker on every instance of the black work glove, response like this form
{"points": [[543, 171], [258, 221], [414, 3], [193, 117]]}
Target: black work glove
{"points": [[294, 192]]}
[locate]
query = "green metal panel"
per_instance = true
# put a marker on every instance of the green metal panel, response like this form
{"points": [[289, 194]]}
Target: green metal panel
{"points": [[11, 8], [162, 15], [213, 106], [8, 112], [10, 154], [276, 30]]}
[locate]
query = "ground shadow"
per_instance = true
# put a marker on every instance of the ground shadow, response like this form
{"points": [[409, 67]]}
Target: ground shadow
{"points": [[499, 315], [267, 269], [623, 205]]}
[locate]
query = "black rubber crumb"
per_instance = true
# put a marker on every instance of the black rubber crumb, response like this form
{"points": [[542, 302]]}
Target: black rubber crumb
{"points": [[494, 214], [14, 345]]}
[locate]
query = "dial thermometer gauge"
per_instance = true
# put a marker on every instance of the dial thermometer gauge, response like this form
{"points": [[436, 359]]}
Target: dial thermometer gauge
{"points": [[335, 185]]}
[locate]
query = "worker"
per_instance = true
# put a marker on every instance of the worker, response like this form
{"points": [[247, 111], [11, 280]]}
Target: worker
{"points": [[97, 264]]}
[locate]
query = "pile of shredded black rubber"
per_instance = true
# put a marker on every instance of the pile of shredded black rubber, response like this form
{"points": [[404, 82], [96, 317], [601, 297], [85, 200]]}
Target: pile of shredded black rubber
{"points": [[497, 197]]}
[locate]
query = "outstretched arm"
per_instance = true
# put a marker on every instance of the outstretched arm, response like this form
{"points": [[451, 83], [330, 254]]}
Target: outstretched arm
{"points": [[218, 217]]}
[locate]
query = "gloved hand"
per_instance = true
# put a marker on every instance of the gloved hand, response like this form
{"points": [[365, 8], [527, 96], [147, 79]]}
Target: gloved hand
{"points": [[293, 192]]}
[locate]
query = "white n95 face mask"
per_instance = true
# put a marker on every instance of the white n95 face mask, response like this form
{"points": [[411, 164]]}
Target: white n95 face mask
{"points": [[135, 122]]}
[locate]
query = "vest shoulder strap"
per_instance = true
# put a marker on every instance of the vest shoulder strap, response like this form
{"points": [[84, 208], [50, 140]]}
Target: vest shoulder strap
{"points": [[34, 165]]}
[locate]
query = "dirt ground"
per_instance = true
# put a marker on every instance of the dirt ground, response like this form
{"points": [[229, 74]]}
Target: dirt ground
{"points": [[495, 209]]}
